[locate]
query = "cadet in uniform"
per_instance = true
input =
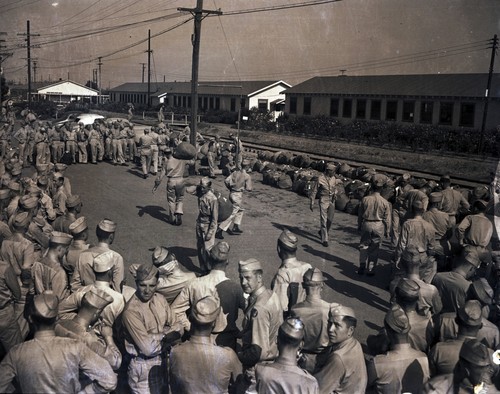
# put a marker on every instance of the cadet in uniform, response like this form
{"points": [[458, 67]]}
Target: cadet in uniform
{"points": [[341, 367], [374, 221], [145, 142], [154, 149], [10, 333], [287, 283], [147, 319], [402, 369], [96, 148], [70, 138], [206, 224], [79, 231], [52, 364], [238, 182], [313, 312], [283, 375], [452, 200], [327, 190], [216, 367], [263, 317]]}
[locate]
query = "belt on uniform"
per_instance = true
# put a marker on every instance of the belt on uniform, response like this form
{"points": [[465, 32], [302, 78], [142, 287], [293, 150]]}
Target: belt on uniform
{"points": [[374, 220], [172, 177], [144, 357], [312, 351]]}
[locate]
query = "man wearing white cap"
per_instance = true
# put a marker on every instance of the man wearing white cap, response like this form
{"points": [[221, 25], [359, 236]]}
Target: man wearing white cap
{"points": [[84, 275], [341, 368], [79, 230], [73, 209], [206, 224], [51, 364], [283, 375], [325, 188], [287, 283], [217, 367], [263, 317]]}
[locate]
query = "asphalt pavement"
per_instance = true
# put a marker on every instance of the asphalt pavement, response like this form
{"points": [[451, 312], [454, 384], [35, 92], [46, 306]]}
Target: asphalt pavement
{"points": [[121, 194]]}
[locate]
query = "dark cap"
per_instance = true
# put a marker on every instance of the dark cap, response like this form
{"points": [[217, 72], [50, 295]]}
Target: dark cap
{"points": [[480, 204], [475, 352], [293, 328], [145, 272], [397, 320], [288, 239], [408, 288], [313, 275], [220, 251], [445, 178], [470, 314], [483, 291], [206, 310], [46, 305]]}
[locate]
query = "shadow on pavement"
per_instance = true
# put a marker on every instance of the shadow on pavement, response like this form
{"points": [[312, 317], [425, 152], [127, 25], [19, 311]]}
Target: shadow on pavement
{"points": [[298, 231], [184, 257], [135, 172], [154, 211]]}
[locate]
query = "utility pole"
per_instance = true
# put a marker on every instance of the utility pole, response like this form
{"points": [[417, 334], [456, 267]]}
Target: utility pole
{"points": [[198, 13], [99, 100], [143, 69], [149, 68], [494, 47], [28, 47], [34, 70], [2, 57]]}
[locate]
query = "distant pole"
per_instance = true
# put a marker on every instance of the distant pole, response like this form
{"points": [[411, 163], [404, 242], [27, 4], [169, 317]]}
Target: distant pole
{"points": [[143, 70], [487, 96], [195, 39], [99, 80], [34, 70], [28, 46], [149, 68]]}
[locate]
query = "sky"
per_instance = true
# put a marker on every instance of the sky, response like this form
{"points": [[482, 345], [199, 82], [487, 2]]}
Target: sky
{"points": [[354, 37]]}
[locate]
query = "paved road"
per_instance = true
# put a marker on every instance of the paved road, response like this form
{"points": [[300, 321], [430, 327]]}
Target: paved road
{"points": [[121, 194]]}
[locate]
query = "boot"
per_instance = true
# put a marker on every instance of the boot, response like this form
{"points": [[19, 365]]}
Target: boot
{"points": [[361, 269], [178, 219], [371, 268], [218, 234], [237, 229]]}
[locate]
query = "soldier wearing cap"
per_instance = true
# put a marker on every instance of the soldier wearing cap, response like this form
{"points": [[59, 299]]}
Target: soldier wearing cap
{"points": [[102, 267], [453, 286], [41, 141], [283, 375], [313, 312], [452, 200], [15, 196], [443, 229], [326, 189], [238, 182], [403, 368], [53, 364], [96, 148], [56, 142], [18, 250], [60, 196], [398, 207], [262, 319], [10, 291], [475, 232], [73, 209], [21, 135], [147, 318], [206, 223], [444, 355], [341, 367], [287, 283], [470, 375], [212, 154], [49, 274], [84, 275], [174, 169], [132, 147], [374, 221], [216, 367], [231, 298], [70, 138], [145, 142], [86, 326], [61, 169], [420, 234], [79, 231]]}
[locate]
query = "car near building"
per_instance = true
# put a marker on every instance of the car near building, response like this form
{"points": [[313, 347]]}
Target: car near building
{"points": [[77, 118]]}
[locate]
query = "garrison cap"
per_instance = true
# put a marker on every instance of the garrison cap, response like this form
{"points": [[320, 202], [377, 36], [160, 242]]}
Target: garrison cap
{"points": [[15, 186], [206, 310], [103, 262], [159, 255], [78, 226], [167, 149], [146, 271], [97, 298], [483, 291], [293, 328], [28, 202], [220, 251], [42, 167], [57, 175], [205, 182], [470, 314], [251, 264], [42, 181], [379, 180], [408, 288], [73, 200], [46, 305], [340, 310], [406, 176], [39, 221], [472, 257], [245, 163], [107, 225], [417, 204], [60, 238], [4, 194], [22, 219], [16, 169], [331, 166], [288, 239], [34, 190], [397, 320], [436, 197], [475, 352], [313, 275], [445, 178]]}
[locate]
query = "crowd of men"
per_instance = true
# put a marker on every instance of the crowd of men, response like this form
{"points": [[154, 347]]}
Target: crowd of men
{"points": [[69, 323]]}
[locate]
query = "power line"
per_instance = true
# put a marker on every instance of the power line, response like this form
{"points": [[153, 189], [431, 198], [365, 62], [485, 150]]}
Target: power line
{"points": [[280, 7]]}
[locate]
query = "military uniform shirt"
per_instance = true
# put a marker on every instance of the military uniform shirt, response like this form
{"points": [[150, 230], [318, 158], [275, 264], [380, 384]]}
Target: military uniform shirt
{"points": [[19, 252], [475, 230], [375, 208], [440, 220], [418, 233], [452, 200], [290, 272], [453, 289], [279, 378]]}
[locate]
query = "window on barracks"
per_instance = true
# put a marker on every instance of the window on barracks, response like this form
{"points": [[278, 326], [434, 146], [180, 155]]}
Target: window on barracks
{"points": [[262, 105], [347, 109], [307, 106], [445, 113], [243, 103], [293, 105], [360, 109], [467, 111], [233, 104], [184, 101], [391, 112], [189, 101], [217, 103], [211, 105], [334, 107], [426, 111], [205, 102], [375, 110], [408, 111]]}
